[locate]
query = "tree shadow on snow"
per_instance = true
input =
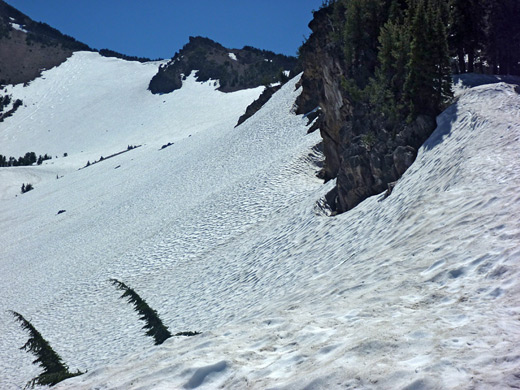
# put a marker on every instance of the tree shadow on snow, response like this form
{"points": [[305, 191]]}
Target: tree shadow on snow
{"points": [[470, 80], [446, 120], [445, 123]]}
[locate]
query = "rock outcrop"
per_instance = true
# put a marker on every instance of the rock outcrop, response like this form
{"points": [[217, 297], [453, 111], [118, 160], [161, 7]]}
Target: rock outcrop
{"points": [[359, 151], [254, 107], [235, 69]]}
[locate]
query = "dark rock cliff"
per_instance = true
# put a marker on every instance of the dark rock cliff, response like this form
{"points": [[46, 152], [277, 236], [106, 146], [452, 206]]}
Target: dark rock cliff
{"points": [[235, 69], [254, 107], [359, 151]]}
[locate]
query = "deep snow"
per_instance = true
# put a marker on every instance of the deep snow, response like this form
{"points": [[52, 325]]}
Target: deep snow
{"points": [[221, 233]]}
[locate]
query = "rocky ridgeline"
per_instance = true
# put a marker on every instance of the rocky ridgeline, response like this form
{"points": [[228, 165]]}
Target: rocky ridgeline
{"points": [[363, 155], [27, 47], [235, 69]]}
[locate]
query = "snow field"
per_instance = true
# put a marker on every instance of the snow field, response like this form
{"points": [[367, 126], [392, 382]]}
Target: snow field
{"points": [[417, 291], [220, 233], [152, 191]]}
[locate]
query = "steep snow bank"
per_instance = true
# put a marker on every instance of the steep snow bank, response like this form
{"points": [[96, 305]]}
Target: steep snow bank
{"points": [[415, 291], [220, 233], [147, 222]]}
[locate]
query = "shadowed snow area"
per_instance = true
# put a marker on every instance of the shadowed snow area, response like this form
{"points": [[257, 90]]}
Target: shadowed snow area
{"points": [[220, 233]]}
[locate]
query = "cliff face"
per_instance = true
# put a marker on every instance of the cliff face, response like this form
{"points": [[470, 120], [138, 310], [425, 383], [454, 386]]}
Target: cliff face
{"points": [[323, 65], [235, 68], [359, 151]]}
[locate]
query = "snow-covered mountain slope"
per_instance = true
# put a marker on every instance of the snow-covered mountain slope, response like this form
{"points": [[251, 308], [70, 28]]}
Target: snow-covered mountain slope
{"points": [[144, 222], [220, 233], [92, 106]]}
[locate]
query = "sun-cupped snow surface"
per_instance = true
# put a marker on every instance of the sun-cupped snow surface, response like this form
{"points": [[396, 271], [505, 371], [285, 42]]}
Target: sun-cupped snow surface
{"points": [[146, 217], [220, 233]]}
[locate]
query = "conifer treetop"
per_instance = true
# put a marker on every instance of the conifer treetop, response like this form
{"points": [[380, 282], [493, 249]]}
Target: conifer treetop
{"points": [[153, 324], [47, 358], [54, 370]]}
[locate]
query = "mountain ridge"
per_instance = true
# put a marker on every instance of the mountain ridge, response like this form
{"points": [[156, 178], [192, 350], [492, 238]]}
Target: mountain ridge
{"points": [[235, 69], [27, 47], [227, 231]]}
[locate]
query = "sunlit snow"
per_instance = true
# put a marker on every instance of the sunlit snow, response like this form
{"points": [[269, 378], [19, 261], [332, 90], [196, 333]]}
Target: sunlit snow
{"points": [[18, 27], [221, 233]]}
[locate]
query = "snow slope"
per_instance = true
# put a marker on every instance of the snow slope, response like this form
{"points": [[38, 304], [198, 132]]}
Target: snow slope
{"points": [[221, 233]]}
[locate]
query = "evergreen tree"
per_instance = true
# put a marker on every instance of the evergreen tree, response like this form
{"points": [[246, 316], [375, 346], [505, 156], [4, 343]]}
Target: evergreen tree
{"points": [[54, 370], [28, 159], [442, 81], [397, 60], [387, 86], [27, 188], [418, 95], [467, 32], [396, 10], [153, 324], [363, 21], [428, 83], [32, 158], [502, 46]]}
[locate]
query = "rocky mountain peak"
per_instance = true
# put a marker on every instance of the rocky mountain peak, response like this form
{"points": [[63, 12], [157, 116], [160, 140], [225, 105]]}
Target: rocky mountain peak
{"points": [[235, 69], [27, 47]]}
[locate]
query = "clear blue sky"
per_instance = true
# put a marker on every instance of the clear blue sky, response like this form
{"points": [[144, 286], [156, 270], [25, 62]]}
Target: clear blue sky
{"points": [[159, 28]]}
